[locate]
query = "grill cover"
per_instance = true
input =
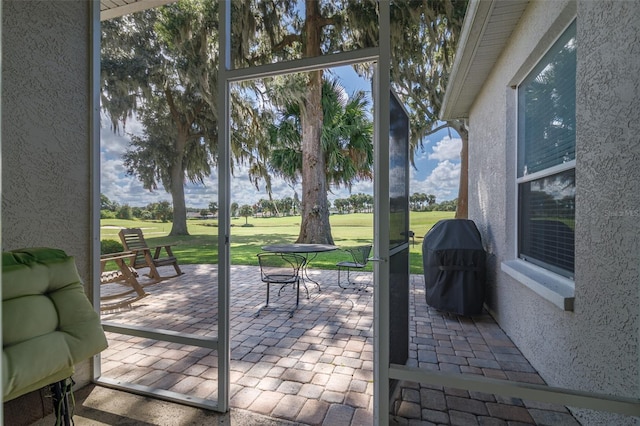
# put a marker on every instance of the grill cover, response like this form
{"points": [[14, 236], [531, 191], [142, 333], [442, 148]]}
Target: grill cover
{"points": [[454, 264]]}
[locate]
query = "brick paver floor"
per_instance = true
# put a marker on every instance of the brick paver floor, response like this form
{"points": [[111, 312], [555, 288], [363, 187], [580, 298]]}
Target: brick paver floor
{"points": [[317, 367]]}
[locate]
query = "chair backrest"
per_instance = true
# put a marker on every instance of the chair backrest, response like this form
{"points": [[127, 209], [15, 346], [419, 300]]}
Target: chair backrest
{"points": [[360, 254], [48, 323], [279, 267], [133, 239]]}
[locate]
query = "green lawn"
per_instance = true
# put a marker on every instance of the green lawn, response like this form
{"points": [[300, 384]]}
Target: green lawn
{"points": [[246, 241]]}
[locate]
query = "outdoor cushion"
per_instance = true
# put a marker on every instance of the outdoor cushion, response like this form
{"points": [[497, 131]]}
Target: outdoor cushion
{"points": [[48, 324]]}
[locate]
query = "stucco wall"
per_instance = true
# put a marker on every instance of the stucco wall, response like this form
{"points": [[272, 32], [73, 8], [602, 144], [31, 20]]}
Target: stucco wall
{"points": [[46, 129], [594, 348]]}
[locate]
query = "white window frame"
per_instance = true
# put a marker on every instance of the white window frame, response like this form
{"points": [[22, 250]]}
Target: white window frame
{"points": [[554, 287]]}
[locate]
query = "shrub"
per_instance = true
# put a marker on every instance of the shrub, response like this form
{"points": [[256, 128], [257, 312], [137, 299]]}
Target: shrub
{"points": [[107, 214], [124, 212], [110, 246]]}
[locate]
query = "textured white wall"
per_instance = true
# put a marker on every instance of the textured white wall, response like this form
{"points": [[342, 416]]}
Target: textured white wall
{"points": [[594, 348], [46, 129]]}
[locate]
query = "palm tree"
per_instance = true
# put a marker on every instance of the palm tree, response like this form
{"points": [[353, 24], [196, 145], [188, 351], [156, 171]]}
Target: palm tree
{"points": [[346, 142], [246, 211]]}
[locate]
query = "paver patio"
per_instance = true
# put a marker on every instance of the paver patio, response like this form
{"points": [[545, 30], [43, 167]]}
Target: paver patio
{"points": [[317, 367]]}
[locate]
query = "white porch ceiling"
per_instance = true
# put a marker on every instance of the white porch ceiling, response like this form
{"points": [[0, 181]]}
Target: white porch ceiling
{"points": [[113, 8], [488, 24]]}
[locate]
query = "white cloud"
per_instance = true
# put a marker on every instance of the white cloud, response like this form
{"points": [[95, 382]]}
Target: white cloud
{"points": [[443, 181], [420, 155], [446, 149]]}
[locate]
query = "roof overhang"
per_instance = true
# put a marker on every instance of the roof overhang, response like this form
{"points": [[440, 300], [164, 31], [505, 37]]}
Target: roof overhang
{"points": [[114, 8], [487, 26]]}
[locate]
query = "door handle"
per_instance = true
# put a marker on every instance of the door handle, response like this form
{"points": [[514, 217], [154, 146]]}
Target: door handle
{"points": [[376, 259]]}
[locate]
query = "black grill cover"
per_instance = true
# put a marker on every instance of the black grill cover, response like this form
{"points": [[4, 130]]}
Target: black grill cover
{"points": [[454, 267]]}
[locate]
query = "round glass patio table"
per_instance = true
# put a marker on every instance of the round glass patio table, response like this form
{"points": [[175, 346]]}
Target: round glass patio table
{"points": [[308, 251]]}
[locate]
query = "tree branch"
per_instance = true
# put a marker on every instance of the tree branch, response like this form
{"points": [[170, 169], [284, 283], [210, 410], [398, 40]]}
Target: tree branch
{"points": [[172, 105], [436, 129], [288, 40], [331, 20]]}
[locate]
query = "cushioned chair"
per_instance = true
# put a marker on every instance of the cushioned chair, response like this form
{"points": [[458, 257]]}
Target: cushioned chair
{"points": [[48, 324], [283, 269], [133, 240], [359, 259]]}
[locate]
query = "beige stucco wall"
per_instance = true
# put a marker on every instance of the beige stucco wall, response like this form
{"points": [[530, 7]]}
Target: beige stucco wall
{"points": [[46, 168], [594, 348]]}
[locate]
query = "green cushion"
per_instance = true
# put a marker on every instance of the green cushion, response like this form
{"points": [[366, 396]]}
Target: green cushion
{"points": [[48, 323], [27, 317]]}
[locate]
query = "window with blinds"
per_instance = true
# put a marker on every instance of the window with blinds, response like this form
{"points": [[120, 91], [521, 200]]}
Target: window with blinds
{"points": [[546, 158]]}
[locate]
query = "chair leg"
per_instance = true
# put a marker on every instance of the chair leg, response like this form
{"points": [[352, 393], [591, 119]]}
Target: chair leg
{"points": [[340, 285], [349, 280], [267, 295], [281, 287], [177, 268], [297, 285], [61, 402], [266, 305]]}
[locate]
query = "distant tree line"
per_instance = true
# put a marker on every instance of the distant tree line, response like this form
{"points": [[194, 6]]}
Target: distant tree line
{"points": [[288, 206], [356, 203], [421, 202], [162, 211]]}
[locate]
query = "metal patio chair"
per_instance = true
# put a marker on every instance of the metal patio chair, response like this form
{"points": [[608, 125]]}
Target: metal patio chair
{"points": [[359, 259], [283, 269]]}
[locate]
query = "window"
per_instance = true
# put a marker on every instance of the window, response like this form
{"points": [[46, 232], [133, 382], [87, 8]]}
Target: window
{"points": [[546, 159]]}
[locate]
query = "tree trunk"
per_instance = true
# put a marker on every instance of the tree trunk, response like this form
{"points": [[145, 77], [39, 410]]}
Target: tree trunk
{"points": [[314, 227], [179, 225], [462, 210]]}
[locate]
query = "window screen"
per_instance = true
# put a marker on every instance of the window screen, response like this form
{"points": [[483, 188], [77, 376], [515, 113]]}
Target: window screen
{"points": [[547, 220]]}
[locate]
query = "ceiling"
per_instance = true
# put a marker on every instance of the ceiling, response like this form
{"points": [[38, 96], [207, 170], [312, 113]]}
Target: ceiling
{"points": [[114, 8]]}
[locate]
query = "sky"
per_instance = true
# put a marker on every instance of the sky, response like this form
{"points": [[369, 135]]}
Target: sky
{"points": [[437, 168]]}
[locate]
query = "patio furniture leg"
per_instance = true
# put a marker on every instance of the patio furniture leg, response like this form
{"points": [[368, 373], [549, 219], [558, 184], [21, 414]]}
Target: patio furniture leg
{"points": [[360, 287], [61, 402], [267, 295], [297, 298], [266, 305], [305, 272], [348, 278]]}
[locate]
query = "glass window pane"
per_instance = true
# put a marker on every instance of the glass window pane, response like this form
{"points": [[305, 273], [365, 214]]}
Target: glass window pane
{"points": [[547, 109], [264, 32], [547, 219]]}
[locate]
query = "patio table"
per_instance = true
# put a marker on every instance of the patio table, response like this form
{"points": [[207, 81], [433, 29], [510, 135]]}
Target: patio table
{"points": [[308, 251]]}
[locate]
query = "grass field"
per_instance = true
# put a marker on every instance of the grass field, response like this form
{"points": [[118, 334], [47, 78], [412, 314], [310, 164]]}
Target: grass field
{"points": [[246, 241]]}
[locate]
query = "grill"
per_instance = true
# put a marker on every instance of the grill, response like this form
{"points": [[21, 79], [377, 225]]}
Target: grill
{"points": [[454, 262]]}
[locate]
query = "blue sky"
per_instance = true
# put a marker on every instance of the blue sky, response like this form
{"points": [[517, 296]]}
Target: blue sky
{"points": [[437, 168]]}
